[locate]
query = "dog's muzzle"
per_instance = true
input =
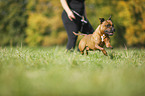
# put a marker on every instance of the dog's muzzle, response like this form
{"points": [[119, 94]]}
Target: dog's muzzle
{"points": [[110, 32]]}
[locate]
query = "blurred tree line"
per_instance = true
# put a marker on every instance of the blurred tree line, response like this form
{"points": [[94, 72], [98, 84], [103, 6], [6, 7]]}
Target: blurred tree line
{"points": [[38, 22]]}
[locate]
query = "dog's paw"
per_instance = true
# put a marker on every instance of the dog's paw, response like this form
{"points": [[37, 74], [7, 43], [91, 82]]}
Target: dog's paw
{"points": [[104, 52]]}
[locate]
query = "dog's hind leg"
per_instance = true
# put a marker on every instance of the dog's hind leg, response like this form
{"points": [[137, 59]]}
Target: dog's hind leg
{"points": [[87, 49], [82, 46], [82, 49], [82, 52]]}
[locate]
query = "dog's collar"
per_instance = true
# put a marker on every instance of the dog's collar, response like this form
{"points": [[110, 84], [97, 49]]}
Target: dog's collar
{"points": [[102, 37]]}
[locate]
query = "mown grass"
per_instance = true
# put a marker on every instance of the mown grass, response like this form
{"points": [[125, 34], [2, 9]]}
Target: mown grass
{"points": [[52, 72]]}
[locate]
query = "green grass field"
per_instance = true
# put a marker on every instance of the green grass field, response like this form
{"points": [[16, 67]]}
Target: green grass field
{"points": [[52, 72]]}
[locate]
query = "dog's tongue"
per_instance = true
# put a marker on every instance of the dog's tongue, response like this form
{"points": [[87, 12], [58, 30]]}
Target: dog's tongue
{"points": [[110, 34]]}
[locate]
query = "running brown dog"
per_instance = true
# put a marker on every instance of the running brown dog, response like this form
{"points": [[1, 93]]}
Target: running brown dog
{"points": [[99, 38]]}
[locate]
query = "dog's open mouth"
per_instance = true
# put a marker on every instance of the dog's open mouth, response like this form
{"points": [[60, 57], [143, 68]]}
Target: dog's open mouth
{"points": [[110, 34]]}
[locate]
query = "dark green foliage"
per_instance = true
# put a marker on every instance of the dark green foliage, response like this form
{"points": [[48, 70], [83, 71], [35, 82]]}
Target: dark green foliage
{"points": [[38, 22], [13, 18]]}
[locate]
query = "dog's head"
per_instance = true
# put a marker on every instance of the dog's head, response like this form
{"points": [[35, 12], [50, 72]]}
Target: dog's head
{"points": [[107, 26]]}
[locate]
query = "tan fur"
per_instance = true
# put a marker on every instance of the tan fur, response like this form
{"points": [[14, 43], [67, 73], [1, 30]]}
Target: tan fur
{"points": [[94, 41]]}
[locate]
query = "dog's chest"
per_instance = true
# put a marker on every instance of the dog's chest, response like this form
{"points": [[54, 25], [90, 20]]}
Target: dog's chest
{"points": [[100, 41], [102, 44]]}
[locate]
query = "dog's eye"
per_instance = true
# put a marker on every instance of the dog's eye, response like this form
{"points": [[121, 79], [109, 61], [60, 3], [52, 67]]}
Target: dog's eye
{"points": [[108, 25]]}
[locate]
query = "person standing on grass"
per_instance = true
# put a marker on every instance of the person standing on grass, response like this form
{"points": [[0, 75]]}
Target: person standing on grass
{"points": [[74, 20]]}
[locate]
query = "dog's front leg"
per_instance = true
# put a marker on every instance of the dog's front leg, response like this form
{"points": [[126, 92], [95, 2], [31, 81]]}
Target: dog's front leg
{"points": [[108, 45], [102, 49]]}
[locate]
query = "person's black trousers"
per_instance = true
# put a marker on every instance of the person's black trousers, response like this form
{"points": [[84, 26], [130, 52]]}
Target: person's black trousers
{"points": [[75, 26]]}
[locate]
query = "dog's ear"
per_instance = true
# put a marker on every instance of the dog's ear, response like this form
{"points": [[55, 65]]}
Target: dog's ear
{"points": [[101, 20], [110, 17]]}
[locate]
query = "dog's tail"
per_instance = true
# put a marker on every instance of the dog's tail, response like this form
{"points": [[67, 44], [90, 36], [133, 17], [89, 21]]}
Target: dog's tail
{"points": [[79, 34]]}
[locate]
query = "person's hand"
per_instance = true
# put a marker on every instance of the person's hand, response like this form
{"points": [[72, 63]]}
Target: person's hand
{"points": [[71, 15]]}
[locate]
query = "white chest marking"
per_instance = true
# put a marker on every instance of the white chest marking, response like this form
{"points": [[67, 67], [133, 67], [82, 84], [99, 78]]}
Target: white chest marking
{"points": [[102, 37]]}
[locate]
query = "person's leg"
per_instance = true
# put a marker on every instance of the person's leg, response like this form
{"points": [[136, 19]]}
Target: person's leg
{"points": [[70, 27]]}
